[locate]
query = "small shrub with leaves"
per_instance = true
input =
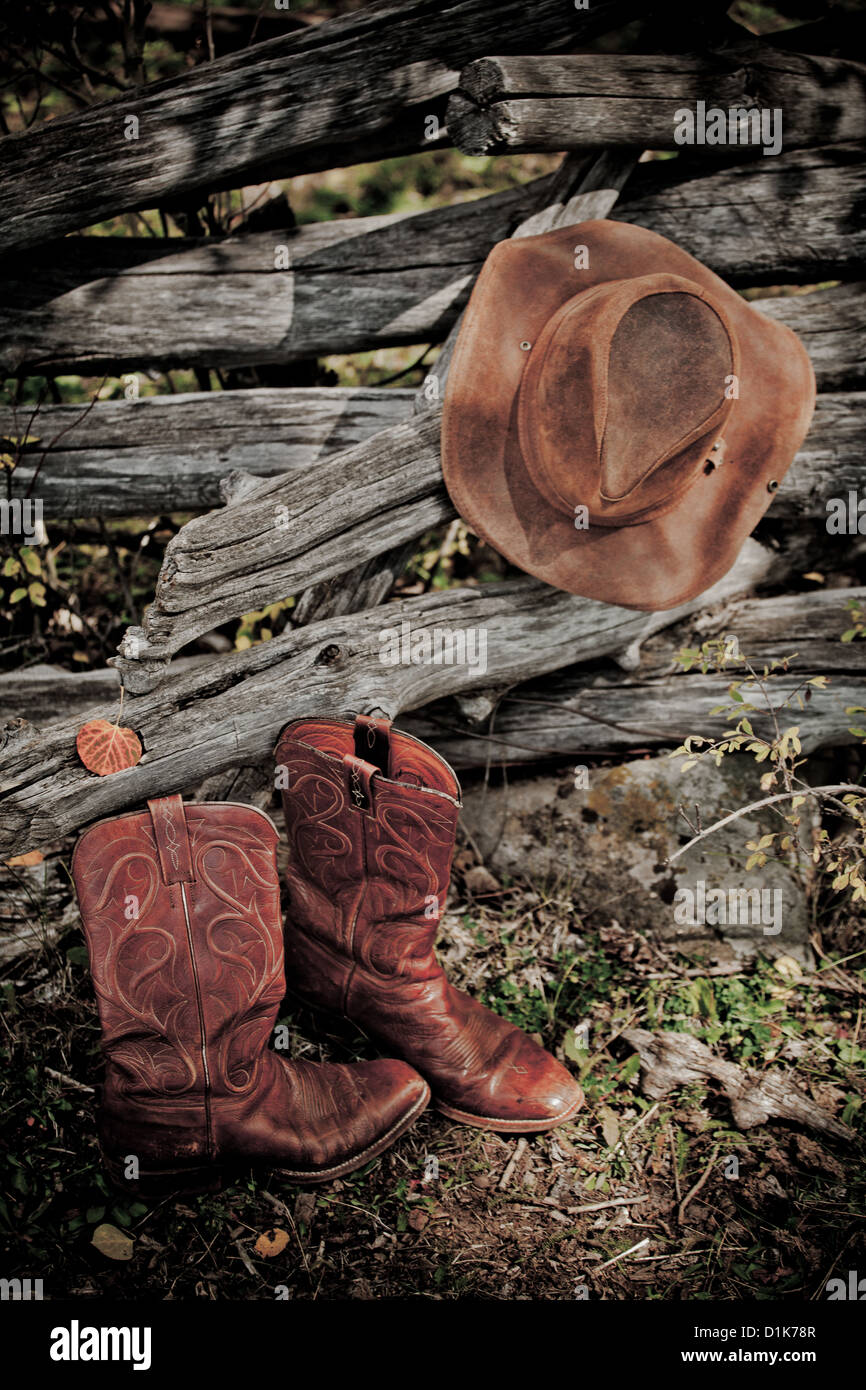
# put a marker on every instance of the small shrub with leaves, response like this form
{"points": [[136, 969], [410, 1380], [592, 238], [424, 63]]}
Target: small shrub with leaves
{"points": [[764, 698]]}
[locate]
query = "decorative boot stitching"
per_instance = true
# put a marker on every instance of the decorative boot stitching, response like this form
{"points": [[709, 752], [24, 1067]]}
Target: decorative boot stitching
{"points": [[209, 1141]]}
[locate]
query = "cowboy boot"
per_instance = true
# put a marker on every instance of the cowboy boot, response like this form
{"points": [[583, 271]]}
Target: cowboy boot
{"points": [[371, 818], [181, 911]]}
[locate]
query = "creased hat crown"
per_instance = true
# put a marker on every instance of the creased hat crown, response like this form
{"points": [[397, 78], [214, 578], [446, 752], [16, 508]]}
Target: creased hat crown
{"points": [[624, 394]]}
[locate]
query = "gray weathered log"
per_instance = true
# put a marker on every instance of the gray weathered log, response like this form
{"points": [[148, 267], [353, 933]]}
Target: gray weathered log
{"points": [[669, 1060], [161, 454], [229, 711], [558, 102], [252, 784], [94, 303], [832, 326], [44, 692], [288, 533], [797, 218], [571, 717], [366, 586], [41, 693], [579, 710], [277, 296], [830, 462], [809, 625], [358, 87]]}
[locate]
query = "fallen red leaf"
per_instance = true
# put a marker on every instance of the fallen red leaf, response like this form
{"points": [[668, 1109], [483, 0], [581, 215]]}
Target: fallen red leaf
{"points": [[105, 748], [272, 1242]]}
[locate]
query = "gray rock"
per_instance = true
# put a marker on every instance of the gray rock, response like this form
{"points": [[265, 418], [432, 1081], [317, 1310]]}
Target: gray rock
{"points": [[606, 845]]}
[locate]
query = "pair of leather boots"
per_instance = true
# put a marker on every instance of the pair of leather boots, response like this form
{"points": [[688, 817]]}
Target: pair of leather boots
{"points": [[181, 910]]}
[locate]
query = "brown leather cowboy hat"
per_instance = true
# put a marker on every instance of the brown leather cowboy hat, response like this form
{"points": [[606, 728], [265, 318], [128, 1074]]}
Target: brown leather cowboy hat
{"points": [[617, 419]]}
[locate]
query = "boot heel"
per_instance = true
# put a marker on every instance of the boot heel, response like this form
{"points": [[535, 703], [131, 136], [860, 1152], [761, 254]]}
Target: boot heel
{"points": [[156, 1182]]}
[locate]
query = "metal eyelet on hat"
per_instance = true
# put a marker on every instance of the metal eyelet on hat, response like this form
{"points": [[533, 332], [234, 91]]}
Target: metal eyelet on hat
{"points": [[716, 449], [525, 346], [772, 485]]}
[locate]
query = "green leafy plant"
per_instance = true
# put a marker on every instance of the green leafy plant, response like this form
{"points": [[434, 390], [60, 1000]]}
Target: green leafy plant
{"points": [[25, 567], [858, 622], [259, 625]]}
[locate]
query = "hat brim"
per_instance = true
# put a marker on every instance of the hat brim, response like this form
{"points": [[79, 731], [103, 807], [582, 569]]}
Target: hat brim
{"points": [[655, 564]]}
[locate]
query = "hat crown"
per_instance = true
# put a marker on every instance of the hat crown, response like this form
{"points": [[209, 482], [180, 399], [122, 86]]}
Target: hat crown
{"points": [[515, 475], [624, 395]]}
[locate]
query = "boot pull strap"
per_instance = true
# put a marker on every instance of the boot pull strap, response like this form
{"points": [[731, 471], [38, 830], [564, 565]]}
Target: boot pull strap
{"points": [[359, 783], [373, 742], [172, 839]]}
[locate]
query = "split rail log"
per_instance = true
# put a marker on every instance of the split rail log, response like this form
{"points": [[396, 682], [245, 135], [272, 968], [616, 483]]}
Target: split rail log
{"points": [[795, 219], [577, 712], [578, 189], [162, 454], [284, 534], [350, 285], [229, 710], [527, 104], [357, 88], [169, 453], [114, 303], [831, 325], [594, 710]]}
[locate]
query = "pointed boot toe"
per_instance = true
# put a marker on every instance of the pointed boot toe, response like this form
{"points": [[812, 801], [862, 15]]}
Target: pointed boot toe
{"points": [[352, 1113], [525, 1090], [393, 1090]]}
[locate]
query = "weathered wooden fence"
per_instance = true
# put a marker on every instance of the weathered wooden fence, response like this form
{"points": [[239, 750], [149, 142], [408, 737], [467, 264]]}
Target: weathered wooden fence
{"points": [[324, 489]]}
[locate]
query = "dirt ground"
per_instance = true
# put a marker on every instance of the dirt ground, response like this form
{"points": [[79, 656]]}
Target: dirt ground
{"points": [[636, 1199]]}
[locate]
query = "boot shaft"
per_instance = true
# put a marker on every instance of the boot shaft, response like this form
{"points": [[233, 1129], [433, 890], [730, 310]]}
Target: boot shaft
{"points": [[180, 905], [371, 841]]}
